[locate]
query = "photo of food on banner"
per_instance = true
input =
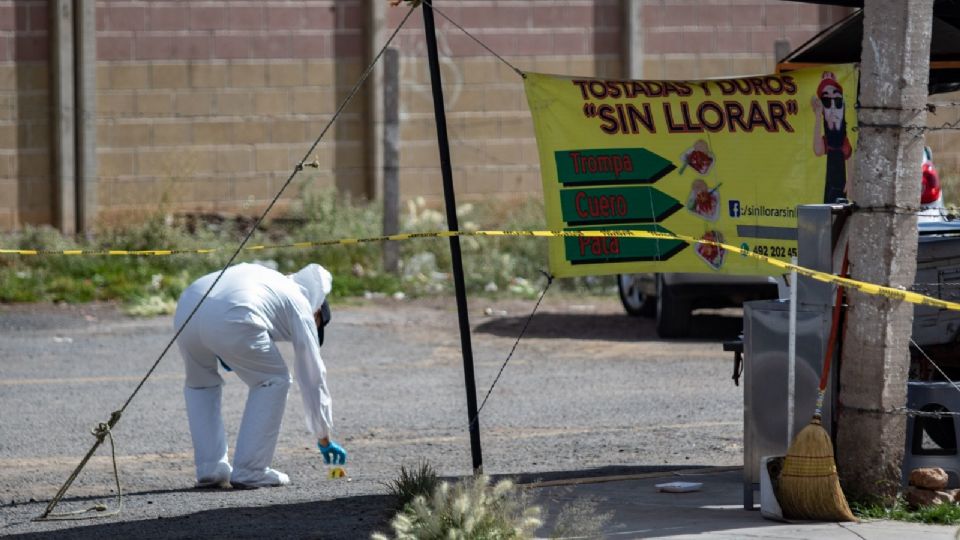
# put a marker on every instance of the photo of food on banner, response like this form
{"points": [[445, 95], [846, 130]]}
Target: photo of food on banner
{"points": [[698, 157], [711, 254], [703, 201]]}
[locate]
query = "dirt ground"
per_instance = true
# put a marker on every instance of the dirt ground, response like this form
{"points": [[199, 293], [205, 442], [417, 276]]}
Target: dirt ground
{"points": [[588, 391]]}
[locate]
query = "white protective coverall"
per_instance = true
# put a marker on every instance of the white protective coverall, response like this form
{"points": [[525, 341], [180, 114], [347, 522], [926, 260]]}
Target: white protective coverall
{"points": [[250, 309]]}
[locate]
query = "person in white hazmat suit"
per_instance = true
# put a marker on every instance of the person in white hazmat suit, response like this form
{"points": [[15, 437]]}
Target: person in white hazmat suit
{"points": [[237, 325]]}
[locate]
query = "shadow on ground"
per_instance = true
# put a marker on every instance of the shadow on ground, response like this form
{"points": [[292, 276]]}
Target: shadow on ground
{"points": [[599, 473], [609, 327], [346, 518], [356, 517]]}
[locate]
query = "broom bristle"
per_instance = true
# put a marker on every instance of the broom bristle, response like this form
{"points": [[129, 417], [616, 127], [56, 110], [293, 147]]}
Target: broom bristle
{"points": [[809, 486]]}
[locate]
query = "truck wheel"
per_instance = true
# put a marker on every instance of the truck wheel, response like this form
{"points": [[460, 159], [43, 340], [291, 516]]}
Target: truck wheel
{"points": [[635, 302], [673, 312]]}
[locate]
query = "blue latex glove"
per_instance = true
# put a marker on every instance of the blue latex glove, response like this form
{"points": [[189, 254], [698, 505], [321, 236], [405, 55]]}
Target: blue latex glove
{"points": [[333, 453]]}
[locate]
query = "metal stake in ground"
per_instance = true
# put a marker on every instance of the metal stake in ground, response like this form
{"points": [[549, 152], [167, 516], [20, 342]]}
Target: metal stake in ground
{"points": [[451, 205]]}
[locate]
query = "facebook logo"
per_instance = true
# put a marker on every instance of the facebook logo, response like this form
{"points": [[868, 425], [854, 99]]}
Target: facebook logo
{"points": [[734, 208]]}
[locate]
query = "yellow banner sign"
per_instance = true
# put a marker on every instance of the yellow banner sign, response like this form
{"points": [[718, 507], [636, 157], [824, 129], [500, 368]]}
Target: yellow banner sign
{"points": [[719, 160]]}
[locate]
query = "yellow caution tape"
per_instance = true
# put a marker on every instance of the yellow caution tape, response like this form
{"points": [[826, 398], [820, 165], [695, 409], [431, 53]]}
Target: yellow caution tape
{"points": [[868, 288]]}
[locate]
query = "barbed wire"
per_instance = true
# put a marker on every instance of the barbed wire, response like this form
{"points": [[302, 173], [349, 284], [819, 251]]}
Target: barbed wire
{"points": [[902, 210], [933, 414], [929, 107], [932, 106], [946, 126], [926, 414], [914, 412], [936, 284]]}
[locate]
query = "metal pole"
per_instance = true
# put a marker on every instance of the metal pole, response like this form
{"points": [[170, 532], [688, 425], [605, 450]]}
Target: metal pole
{"points": [[792, 354], [451, 204]]}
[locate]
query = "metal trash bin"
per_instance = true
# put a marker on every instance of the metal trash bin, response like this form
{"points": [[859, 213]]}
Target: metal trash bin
{"points": [[766, 343], [765, 333]]}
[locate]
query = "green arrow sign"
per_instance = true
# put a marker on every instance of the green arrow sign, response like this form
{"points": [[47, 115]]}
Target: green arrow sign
{"points": [[599, 250], [610, 166], [592, 206]]}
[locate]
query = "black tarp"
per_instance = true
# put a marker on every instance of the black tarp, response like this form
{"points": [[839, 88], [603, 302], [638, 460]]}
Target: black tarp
{"points": [[939, 6], [842, 42]]}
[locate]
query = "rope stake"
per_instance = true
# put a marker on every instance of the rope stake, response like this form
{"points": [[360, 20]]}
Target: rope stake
{"points": [[103, 430]]}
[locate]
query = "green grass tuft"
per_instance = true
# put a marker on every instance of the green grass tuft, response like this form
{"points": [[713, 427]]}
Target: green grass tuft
{"points": [[419, 481], [939, 514], [146, 285]]}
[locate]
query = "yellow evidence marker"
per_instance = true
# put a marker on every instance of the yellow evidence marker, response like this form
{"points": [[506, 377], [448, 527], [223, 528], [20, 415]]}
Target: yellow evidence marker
{"points": [[337, 472]]}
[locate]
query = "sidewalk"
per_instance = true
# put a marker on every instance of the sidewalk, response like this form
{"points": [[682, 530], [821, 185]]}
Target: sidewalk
{"points": [[716, 511]]}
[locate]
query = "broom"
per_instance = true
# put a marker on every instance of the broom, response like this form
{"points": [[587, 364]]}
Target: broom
{"points": [[809, 485]]}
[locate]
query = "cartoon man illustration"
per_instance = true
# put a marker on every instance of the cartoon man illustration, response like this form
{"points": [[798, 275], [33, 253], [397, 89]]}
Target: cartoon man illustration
{"points": [[830, 135]]}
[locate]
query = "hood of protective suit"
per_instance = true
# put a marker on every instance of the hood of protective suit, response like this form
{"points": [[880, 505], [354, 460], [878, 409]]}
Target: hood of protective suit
{"points": [[315, 283]]}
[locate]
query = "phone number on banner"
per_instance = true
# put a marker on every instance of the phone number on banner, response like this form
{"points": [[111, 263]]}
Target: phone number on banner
{"points": [[781, 252]]}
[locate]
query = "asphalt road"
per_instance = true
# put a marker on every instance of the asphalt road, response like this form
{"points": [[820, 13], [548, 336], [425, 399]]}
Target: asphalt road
{"points": [[588, 391]]}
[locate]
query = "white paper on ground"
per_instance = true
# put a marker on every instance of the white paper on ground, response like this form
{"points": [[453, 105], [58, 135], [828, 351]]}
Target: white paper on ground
{"points": [[679, 487]]}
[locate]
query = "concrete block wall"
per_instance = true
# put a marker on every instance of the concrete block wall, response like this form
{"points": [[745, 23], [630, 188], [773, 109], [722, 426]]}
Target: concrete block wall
{"points": [[492, 145], [25, 194], [699, 39], [208, 105], [493, 149]]}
